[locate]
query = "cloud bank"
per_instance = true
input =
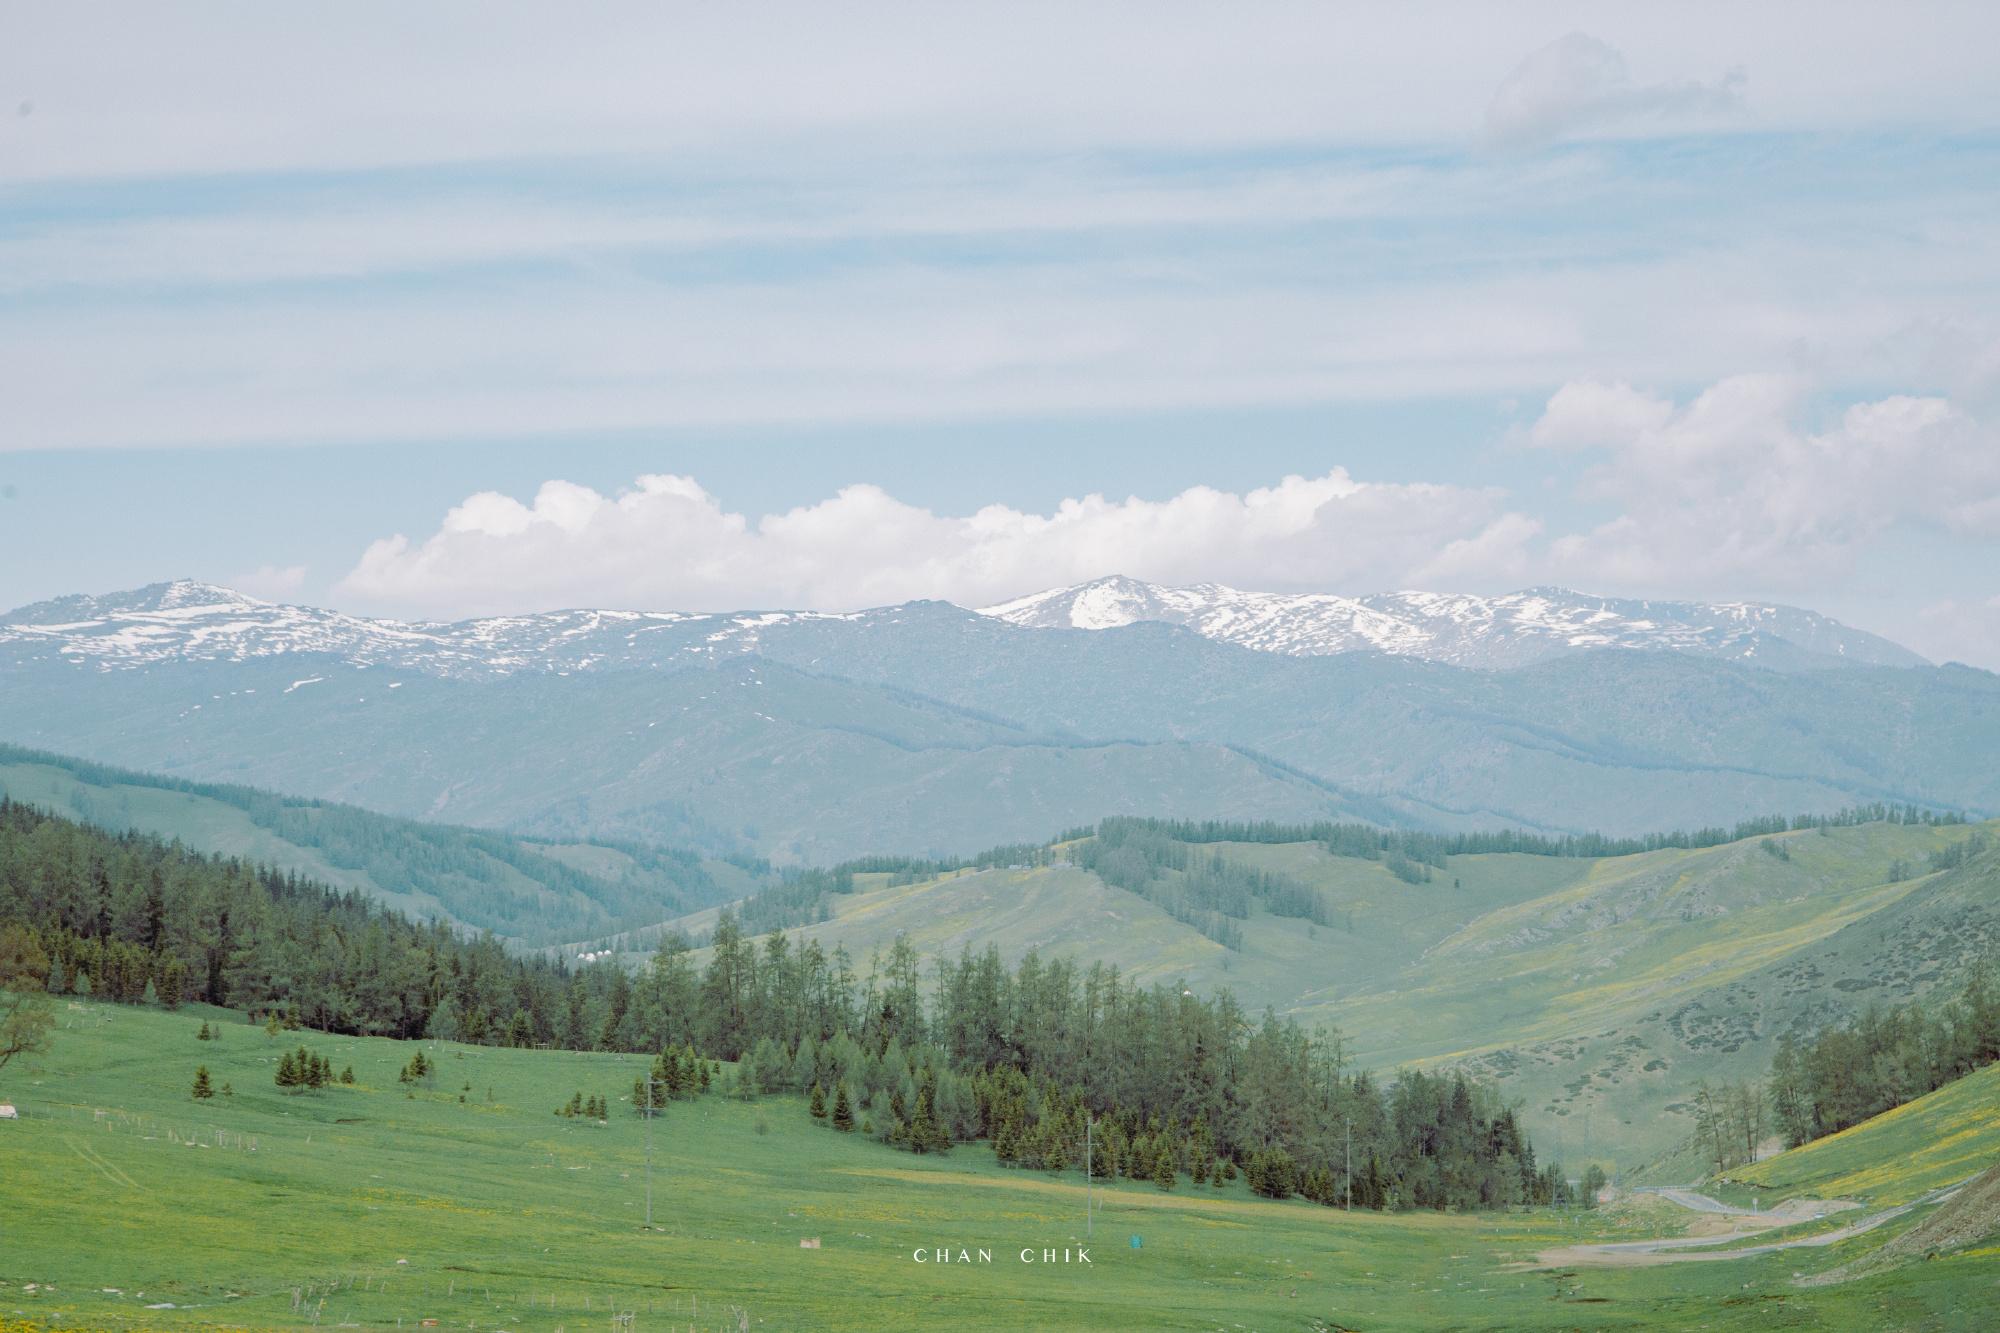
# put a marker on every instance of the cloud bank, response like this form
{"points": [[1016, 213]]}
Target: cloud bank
{"points": [[666, 543], [1732, 492]]}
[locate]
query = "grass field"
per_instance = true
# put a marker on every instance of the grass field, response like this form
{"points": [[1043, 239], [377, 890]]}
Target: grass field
{"points": [[365, 1206]]}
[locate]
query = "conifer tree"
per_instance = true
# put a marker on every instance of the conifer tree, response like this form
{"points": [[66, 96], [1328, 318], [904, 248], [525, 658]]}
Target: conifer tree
{"points": [[202, 1088], [288, 1072], [152, 996], [202, 1035], [926, 1134], [1163, 1166], [347, 1075], [173, 984], [818, 1107], [843, 1111]]}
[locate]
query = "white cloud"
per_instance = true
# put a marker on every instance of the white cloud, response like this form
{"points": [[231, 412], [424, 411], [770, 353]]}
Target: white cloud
{"points": [[1580, 85], [1733, 487], [668, 544], [274, 582]]}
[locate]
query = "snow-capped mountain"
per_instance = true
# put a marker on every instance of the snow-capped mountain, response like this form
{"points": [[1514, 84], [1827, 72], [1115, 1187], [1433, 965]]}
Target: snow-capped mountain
{"points": [[188, 620], [1487, 632], [191, 621]]}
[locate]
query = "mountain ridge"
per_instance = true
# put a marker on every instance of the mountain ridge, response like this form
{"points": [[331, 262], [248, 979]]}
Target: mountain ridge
{"points": [[186, 618], [1512, 629]]}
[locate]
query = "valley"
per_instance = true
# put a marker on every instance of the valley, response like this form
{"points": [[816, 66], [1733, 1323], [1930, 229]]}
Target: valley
{"points": [[1599, 991]]}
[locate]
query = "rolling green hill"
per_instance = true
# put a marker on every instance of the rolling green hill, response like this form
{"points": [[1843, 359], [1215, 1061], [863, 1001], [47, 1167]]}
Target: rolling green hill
{"points": [[1597, 990], [381, 1205], [520, 888]]}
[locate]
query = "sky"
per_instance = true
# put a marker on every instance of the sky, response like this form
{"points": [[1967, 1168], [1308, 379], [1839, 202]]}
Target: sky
{"points": [[456, 309]]}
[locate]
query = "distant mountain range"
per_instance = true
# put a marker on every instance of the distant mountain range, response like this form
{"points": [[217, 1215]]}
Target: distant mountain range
{"points": [[1487, 632], [927, 727], [186, 620]]}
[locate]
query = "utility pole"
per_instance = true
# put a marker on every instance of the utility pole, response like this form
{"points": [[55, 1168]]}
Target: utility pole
{"points": [[1350, 1164], [1088, 1122], [649, 1152]]}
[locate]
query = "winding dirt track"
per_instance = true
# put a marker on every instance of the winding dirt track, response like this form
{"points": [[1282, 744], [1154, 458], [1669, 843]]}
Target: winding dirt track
{"points": [[1691, 1249]]}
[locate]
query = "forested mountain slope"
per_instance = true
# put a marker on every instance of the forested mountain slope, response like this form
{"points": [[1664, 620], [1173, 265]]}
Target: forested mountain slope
{"points": [[523, 889]]}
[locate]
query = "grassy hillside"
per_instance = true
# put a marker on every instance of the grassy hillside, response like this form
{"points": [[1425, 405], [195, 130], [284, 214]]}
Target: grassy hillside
{"points": [[1599, 991], [1936, 1140], [517, 887], [370, 1206]]}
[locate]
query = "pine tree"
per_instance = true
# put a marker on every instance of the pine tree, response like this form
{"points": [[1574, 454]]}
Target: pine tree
{"points": [[843, 1111], [1163, 1166], [702, 1066], [288, 1072], [152, 996], [818, 1102], [228, 1090], [347, 1075], [173, 984], [204, 1034], [202, 1089], [926, 1134]]}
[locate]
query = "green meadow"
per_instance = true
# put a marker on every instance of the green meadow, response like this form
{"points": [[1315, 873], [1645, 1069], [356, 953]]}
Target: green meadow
{"points": [[127, 1204]]}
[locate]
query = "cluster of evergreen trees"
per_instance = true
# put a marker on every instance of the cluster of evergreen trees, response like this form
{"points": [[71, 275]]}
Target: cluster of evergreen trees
{"points": [[306, 1069], [135, 919], [1886, 1057], [923, 1056], [1204, 891], [579, 1106], [675, 1074]]}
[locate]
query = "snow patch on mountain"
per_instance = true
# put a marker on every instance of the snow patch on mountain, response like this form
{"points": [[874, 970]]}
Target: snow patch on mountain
{"points": [[1486, 632]]}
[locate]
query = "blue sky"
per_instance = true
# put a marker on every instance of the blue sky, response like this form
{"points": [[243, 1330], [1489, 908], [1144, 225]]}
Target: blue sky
{"points": [[395, 310]]}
